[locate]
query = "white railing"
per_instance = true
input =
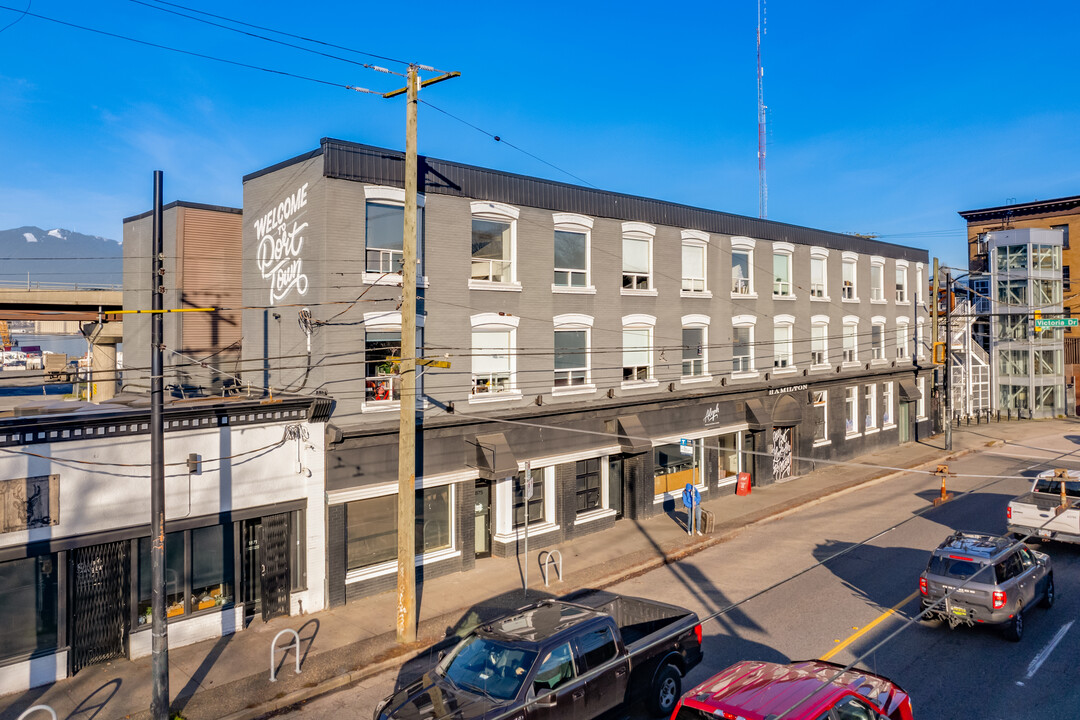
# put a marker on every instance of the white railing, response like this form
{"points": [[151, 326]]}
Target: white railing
{"points": [[489, 383], [382, 260], [491, 270], [29, 284], [740, 286]]}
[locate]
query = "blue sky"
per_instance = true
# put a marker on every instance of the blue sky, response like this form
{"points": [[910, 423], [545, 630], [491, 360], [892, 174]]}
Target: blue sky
{"points": [[884, 118]]}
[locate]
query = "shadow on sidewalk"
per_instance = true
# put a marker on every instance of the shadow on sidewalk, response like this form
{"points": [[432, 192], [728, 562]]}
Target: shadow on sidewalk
{"points": [[96, 701]]}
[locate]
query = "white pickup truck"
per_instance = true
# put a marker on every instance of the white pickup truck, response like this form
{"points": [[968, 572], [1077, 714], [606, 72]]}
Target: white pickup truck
{"points": [[1037, 513]]}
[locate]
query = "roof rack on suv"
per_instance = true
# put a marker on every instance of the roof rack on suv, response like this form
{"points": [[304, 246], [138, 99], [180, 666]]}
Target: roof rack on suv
{"points": [[980, 544]]}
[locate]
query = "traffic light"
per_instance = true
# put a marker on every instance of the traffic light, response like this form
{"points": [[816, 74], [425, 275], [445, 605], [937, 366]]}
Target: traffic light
{"points": [[939, 353]]}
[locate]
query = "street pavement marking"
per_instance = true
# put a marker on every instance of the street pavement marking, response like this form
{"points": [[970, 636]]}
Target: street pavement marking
{"points": [[1039, 659], [855, 636]]}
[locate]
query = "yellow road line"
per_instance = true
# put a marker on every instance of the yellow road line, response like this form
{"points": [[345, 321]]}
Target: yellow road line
{"points": [[871, 626]]}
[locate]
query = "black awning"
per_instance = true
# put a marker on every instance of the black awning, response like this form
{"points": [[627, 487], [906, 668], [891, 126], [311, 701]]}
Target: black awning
{"points": [[787, 411], [909, 391], [632, 436], [757, 416], [491, 456]]}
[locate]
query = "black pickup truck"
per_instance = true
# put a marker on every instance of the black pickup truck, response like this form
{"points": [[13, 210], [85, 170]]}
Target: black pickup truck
{"points": [[559, 659]]}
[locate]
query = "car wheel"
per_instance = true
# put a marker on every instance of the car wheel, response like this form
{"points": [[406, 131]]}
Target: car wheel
{"points": [[1048, 597], [1015, 629], [666, 691]]}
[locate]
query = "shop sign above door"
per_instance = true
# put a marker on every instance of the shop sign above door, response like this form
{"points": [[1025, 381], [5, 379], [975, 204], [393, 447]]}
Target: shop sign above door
{"points": [[712, 414], [790, 388]]}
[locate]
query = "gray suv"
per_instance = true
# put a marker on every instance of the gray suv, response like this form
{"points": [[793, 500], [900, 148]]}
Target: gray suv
{"points": [[994, 579]]}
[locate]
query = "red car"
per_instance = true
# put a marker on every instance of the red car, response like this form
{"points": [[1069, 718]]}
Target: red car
{"points": [[753, 690]]}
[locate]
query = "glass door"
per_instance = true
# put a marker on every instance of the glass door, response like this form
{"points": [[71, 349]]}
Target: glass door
{"points": [[482, 518], [905, 422]]}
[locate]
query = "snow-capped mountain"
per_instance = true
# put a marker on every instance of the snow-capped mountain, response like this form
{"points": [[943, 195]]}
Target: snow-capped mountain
{"points": [[58, 256]]}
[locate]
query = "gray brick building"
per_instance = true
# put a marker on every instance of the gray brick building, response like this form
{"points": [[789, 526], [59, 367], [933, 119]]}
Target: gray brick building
{"points": [[623, 346]]}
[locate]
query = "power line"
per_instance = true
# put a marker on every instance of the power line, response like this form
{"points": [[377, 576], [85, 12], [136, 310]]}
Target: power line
{"points": [[267, 39], [192, 53], [21, 16]]}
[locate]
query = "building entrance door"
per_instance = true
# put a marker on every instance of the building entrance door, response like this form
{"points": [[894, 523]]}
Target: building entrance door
{"points": [[781, 461], [99, 603], [615, 486], [266, 571], [482, 515], [905, 422]]}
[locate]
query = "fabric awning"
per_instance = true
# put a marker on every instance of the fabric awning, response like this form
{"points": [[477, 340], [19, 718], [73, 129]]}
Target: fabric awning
{"points": [[491, 456], [787, 411], [757, 417], [909, 391], [632, 436]]}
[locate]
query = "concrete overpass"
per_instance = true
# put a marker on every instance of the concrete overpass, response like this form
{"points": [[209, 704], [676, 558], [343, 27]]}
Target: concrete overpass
{"points": [[58, 303]]}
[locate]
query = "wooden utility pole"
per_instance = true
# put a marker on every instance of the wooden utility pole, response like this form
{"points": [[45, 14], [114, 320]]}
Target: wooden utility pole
{"points": [[935, 283], [948, 361], [406, 508]]}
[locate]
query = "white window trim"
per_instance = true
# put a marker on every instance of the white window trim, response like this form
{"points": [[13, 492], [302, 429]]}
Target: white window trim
{"points": [[746, 321], [853, 258], [813, 404], [820, 321], [745, 245], [572, 222], [783, 248], [640, 321], [504, 504], [884, 359], [820, 253], [697, 321], [384, 321], [878, 262], [904, 323], [677, 494], [921, 291], [849, 320], [390, 567], [577, 321], [871, 411], [920, 337], [487, 210], [605, 509], [921, 402], [393, 196], [700, 239], [892, 406], [499, 323], [854, 432], [787, 321], [641, 231], [903, 265]]}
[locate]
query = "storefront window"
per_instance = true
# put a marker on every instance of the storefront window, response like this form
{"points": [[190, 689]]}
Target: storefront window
{"points": [[674, 468], [211, 567], [729, 454], [371, 526], [536, 502], [588, 485], [174, 577], [29, 607]]}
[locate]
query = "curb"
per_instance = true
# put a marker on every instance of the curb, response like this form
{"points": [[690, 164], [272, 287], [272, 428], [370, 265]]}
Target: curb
{"points": [[359, 675]]}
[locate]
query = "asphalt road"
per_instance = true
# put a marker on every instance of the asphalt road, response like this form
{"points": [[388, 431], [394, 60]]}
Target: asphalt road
{"points": [[838, 607]]}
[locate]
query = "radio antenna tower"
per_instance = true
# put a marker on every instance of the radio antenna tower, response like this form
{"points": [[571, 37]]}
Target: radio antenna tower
{"points": [[763, 186]]}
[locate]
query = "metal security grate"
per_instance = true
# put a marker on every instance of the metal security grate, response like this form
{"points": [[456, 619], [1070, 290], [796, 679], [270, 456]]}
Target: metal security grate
{"points": [[275, 566], [99, 603]]}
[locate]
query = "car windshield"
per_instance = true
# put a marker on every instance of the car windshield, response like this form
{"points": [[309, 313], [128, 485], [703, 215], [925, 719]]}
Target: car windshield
{"points": [[955, 568], [488, 667]]}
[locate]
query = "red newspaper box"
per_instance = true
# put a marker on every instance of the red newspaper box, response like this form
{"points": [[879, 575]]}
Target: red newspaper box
{"points": [[742, 487]]}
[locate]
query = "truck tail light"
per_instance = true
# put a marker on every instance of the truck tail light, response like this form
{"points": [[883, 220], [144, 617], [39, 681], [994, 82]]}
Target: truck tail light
{"points": [[697, 633], [1008, 513], [922, 586], [999, 598]]}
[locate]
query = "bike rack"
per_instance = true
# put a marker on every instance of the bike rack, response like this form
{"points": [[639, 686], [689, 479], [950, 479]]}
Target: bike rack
{"points": [[29, 710], [548, 557], [273, 648]]}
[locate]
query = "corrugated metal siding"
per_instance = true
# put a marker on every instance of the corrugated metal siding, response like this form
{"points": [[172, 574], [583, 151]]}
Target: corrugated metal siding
{"points": [[210, 277], [364, 163]]}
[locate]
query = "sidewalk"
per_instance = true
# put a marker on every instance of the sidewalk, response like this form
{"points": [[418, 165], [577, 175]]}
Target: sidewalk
{"points": [[229, 677]]}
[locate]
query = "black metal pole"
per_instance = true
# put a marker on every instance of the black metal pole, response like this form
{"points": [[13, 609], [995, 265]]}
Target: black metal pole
{"points": [[159, 703], [948, 360]]}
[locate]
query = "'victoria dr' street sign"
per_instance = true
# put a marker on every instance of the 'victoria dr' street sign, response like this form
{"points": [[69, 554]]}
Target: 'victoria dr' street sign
{"points": [[1056, 322]]}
